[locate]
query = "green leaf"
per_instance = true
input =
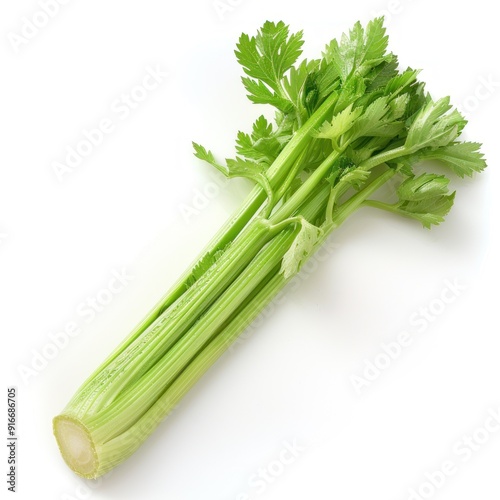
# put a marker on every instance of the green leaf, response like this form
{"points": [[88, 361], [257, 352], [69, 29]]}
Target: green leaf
{"points": [[424, 186], [250, 170], [418, 99], [401, 82], [263, 145], [237, 168], [300, 249], [244, 146], [378, 120], [376, 40], [350, 92], [434, 126], [340, 124], [360, 50], [430, 211], [298, 84], [463, 158], [381, 75], [258, 93], [364, 148], [243, 168], [426, 198], [261, 128], [371, 118], [399, 106], [320, 80], [326, 80], [356, 177], [269, 55], [201, 153]]}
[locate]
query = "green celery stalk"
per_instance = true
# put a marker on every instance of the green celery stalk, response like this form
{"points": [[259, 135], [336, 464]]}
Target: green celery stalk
{"points": [[278, 171], [347, 124]]}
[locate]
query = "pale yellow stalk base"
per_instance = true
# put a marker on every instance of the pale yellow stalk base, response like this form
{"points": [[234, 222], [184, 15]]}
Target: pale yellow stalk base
{"points": [[76, 446]]}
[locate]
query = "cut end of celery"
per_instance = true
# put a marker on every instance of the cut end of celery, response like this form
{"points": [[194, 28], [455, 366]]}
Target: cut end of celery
{"points": [[76, 446]]}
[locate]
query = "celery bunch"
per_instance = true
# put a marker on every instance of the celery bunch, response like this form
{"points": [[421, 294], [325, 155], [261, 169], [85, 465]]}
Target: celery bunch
{"points": [[345, 125]]}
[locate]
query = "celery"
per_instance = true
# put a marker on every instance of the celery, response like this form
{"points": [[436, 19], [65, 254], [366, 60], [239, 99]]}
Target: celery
{"points": [[345, 124]]}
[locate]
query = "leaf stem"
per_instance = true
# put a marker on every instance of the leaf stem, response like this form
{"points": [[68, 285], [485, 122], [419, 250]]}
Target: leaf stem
{"points": [[294, 202], [385, 157], [350, 206]]}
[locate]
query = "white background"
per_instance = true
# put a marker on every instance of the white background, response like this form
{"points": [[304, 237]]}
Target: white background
{"points": [[291, 379]]}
